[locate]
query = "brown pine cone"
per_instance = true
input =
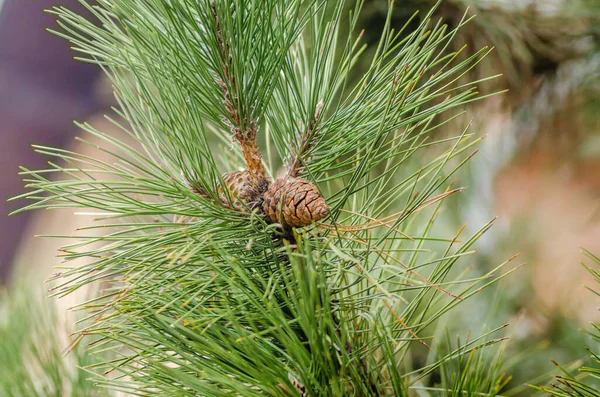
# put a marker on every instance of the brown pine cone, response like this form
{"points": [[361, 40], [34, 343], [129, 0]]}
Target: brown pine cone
{"points": [[246, 190], [294, 202]]}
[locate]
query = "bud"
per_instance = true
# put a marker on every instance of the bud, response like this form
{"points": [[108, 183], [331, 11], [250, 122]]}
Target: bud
{"points": [[294, 202]]}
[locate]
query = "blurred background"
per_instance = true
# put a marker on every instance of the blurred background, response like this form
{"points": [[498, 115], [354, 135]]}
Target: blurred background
{"points": [[538, 170]]}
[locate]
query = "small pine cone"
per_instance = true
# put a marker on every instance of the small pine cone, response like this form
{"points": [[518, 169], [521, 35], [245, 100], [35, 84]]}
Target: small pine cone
{"points": [[246, 190], [294, 202]]}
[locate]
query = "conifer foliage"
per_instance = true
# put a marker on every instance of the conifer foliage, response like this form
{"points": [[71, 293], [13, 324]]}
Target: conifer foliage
{"points": [[220, 284]]}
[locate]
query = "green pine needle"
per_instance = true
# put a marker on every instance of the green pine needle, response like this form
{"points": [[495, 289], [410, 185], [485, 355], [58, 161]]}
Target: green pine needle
{"points": [[200, 299]]}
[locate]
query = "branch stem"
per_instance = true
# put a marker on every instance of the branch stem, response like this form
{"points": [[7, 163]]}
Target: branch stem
{"points": [[243, 131], [296, 162]]}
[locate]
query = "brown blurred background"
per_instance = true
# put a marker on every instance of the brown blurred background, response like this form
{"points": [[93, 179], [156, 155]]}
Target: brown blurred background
{"points": [[42, 90]]}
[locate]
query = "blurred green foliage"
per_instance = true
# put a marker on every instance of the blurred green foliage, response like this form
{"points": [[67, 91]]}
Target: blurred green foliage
{"points": [[33, 343]]}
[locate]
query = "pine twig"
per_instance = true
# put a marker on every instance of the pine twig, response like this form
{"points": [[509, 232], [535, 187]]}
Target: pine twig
{"points": [[243, 131], [295, 164]]}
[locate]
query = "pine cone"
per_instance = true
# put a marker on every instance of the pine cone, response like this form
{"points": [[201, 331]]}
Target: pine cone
{"points": [[294, 202], [245, 189]]}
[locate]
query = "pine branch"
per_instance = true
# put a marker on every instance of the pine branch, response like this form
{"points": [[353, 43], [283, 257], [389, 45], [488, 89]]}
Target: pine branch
{"points": [[198, 299], [243, 131], [294, 167]]}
